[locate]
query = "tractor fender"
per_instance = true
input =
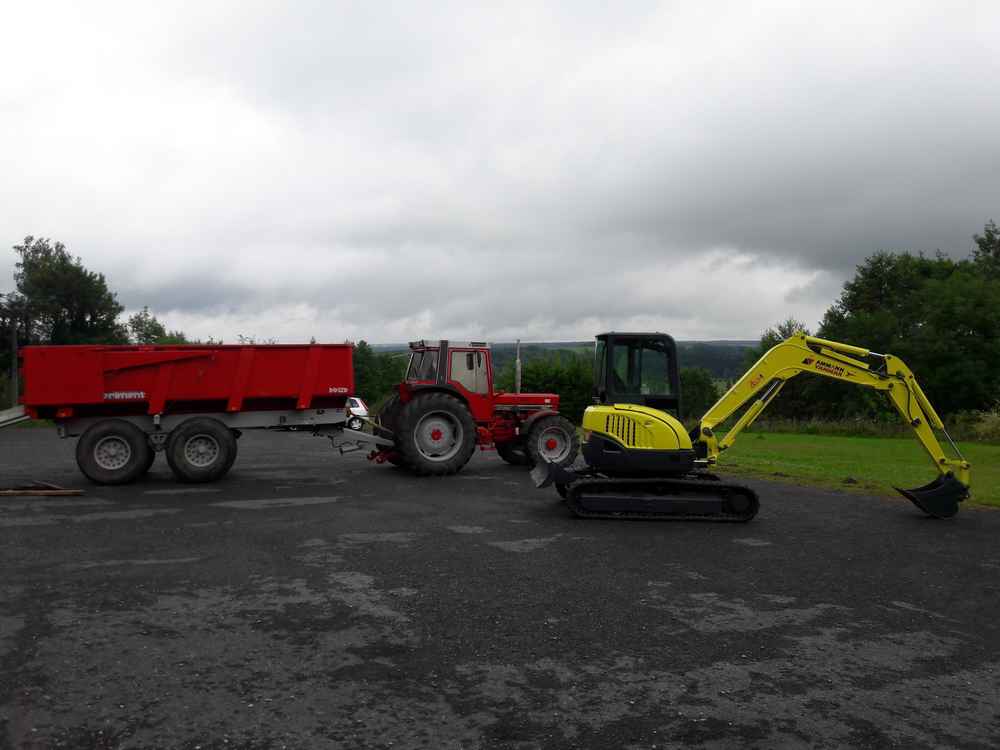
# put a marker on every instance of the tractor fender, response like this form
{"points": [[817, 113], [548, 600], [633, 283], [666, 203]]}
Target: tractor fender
{"points": [[525, 426], [418, 390]]}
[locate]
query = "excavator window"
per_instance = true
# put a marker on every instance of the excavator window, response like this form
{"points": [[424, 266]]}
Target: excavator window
{"points": [[641, 367], [637, 368]]}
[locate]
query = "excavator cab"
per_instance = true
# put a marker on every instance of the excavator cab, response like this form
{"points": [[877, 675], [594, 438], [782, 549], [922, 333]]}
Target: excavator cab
{"points": [[637, 368]]}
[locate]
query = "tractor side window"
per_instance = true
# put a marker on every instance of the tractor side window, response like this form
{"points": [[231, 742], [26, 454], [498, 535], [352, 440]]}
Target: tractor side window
{"points": [[482, 376], [463, 369]]}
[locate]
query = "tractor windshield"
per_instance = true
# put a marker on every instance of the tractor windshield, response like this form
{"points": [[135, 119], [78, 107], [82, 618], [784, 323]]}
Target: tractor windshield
{"points": [[423, 365]]}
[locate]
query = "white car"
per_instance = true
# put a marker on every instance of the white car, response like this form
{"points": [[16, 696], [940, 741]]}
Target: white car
{"points": [[357, 413]]}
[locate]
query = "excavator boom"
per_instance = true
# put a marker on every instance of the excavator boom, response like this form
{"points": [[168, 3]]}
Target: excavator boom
{"points": [[883, 372]]}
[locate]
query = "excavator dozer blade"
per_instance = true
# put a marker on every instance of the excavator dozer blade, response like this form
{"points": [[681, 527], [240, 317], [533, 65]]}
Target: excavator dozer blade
{"points": [[545, 473], [939, 498]]}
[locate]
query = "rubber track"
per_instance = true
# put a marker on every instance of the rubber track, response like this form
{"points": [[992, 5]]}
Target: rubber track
{"points": [[709, 487]]}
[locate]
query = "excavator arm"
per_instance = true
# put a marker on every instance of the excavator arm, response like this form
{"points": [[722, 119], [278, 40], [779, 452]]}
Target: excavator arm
{"points": [[801, 353]]}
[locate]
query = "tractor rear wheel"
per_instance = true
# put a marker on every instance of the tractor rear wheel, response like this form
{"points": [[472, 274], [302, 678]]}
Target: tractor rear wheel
{"points": [[201, 449], [514, 453], [553, 439], [435, 434], [388, 415], [113, 451]]}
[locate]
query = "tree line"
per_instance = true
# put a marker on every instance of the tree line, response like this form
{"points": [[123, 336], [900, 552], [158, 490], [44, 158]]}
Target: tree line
{"points": [[56, 300], [941, 316]]}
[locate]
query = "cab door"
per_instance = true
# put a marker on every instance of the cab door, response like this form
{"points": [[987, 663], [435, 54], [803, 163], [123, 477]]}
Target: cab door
{"points": [[470, 374]]}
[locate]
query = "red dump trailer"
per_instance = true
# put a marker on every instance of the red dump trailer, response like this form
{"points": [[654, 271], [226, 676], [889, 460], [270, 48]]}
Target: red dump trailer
{"points": [[191, 401]]}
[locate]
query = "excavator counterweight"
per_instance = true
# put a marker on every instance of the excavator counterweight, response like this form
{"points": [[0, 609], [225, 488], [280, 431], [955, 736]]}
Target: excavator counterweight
{"points": [[642, 463]]}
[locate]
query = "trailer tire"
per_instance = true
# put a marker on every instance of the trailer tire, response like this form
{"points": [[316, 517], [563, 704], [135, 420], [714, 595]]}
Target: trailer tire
{"points": [[553, 439], [514, 453], [436, 435], [200, 450], [113, 451]]}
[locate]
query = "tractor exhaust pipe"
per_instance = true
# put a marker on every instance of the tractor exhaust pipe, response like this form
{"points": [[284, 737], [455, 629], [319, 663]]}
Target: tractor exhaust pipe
{"points": [[517, 367], [939, 498]]}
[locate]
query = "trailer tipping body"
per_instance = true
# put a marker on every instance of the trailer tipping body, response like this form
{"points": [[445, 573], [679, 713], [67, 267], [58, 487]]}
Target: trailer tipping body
{"points": [[63, 382], [189, 401]]}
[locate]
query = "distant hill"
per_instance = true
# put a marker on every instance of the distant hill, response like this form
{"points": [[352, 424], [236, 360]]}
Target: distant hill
{"points": [[724, 359]]}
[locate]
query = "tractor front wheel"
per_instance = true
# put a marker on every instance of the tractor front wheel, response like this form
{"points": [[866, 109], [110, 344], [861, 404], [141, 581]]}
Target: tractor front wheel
{"points": [[435, 434], [554, 440]]}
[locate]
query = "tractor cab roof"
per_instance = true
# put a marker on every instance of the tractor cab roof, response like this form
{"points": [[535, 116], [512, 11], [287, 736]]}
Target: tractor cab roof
{"points": [[422, 344]]}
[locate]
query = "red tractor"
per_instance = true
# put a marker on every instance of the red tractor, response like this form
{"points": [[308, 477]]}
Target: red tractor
{"points": [[446, 405]]}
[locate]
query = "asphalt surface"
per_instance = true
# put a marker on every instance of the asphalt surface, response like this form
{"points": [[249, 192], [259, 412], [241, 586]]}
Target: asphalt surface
{"points": [[314, 600]]}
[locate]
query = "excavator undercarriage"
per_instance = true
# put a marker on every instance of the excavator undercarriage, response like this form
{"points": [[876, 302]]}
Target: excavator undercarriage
{"points": [[698, 496], [643, 464]]}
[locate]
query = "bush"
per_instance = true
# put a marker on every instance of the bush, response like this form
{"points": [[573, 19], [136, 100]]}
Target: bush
{"points": [[698, 392]]}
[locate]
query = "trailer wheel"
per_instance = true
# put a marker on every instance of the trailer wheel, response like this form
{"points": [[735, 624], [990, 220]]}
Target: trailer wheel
{"points": [[514, 453], [113, 451], [553, 439], [436, 435], [201, 449]]}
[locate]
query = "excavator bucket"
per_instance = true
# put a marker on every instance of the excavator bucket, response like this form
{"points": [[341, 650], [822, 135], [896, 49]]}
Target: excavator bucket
{"points": [[545, 473], [939, 498]]}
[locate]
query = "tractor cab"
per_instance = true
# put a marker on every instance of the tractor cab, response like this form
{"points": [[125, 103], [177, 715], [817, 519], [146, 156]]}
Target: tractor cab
{"points": [[464, 364], [637, 368]]}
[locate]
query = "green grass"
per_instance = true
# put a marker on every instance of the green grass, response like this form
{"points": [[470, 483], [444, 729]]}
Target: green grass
{"points": [[875, 464]]}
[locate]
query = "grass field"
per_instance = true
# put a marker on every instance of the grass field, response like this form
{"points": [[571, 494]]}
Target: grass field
{"points": [[873, 465]]}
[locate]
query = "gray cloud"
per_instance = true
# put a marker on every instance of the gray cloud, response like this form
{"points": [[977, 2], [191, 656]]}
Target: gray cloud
{"points": [[396, 170]]}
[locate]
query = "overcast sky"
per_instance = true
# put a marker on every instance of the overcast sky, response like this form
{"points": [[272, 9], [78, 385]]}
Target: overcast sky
{"points": [[392, 171]]}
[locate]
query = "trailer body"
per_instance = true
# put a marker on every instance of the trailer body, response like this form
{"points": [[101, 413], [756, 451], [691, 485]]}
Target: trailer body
{"points": [[66, 382], [189, 401]]}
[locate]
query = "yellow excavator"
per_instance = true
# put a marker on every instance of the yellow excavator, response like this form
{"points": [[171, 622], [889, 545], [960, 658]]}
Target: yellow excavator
{"points": [[642, 463]]}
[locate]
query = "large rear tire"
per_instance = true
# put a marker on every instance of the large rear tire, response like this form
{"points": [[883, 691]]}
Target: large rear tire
{"points": [[435, 434], [113, 451], [553, 439], [388, 415], [201, 449], [514, 453]]}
